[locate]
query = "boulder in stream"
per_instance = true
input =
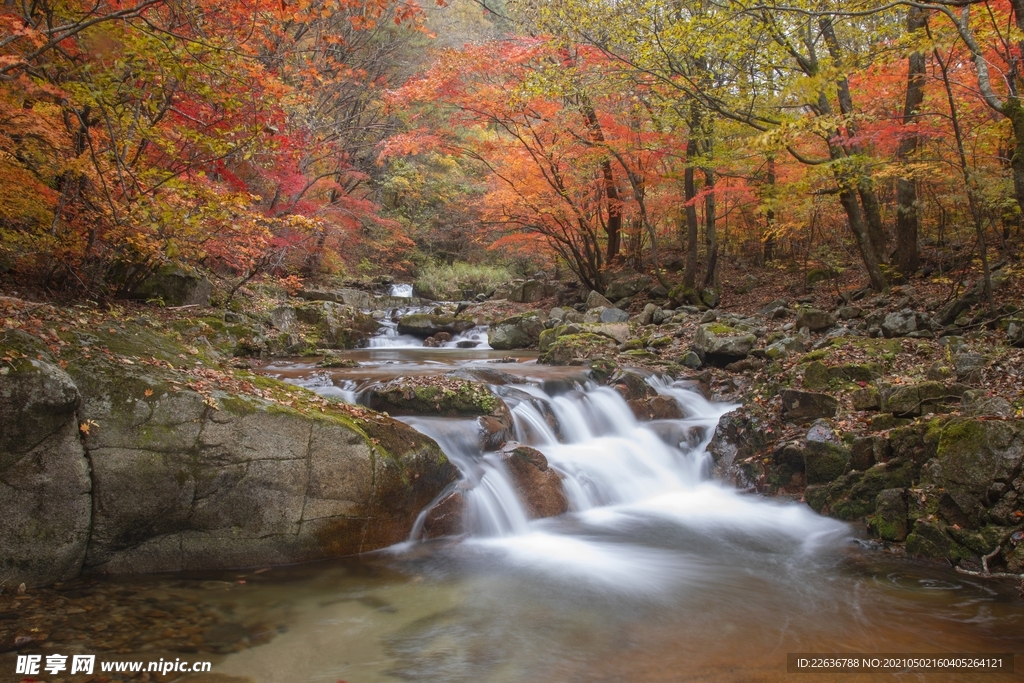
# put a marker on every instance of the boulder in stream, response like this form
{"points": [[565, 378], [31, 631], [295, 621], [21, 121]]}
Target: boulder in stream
{"points": [[425, 325], [539, 486]]}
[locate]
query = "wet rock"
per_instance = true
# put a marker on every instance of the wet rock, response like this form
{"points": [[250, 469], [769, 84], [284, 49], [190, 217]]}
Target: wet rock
{"points": [[595, 300], [929, 540], [806, 406], [718, 344], [425, 325], [176, 287], [632, 385], [539, 486], [45, 503], [517, 332], [446, 517], [814, 319], [739, 435], [494, 432], [656, 408], [890, 519]]}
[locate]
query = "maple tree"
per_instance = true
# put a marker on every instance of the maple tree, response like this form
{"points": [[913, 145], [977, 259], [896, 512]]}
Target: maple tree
{"points": [[233, 135]]}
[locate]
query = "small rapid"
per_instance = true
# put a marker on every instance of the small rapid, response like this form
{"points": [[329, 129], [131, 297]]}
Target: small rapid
{"points": [[623, 479], [655, 574]]}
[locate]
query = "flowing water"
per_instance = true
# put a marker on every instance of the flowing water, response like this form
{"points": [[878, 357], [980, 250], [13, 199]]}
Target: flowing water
{"points": [[657, 573]]}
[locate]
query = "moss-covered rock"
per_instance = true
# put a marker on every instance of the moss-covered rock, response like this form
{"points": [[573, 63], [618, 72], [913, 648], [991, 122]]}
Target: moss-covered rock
{"points": [[444, 396], [979, 460], [175, 286], [824, 461], [577, 348], [890, 519], [930, 540]]}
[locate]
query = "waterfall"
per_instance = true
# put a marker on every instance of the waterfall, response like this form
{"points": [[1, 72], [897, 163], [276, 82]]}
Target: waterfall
{"points": [[403, 291]]}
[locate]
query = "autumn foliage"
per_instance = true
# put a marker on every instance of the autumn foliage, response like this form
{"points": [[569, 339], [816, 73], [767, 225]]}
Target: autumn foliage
{"points": [[232, 135]]}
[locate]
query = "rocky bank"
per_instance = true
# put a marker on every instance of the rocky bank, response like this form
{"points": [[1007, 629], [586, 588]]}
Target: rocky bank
{"points": [[123, 451]]}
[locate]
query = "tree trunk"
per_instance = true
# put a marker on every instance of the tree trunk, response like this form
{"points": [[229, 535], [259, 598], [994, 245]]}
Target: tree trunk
{"points": [[690, 195], [710, 236], [613, 228], [907, 221], [848, 198], [769, 228]]}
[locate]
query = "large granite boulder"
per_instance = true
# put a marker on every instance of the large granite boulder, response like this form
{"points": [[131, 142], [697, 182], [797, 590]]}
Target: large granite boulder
{"points": [[814, 319], [978, 463], [45, 502], [517, 332], [176, 286], [719, 344], [627, 287], [187, 481], [425, 325]]}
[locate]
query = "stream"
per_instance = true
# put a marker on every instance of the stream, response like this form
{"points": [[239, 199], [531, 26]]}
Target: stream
{"points": [[657, 573]]}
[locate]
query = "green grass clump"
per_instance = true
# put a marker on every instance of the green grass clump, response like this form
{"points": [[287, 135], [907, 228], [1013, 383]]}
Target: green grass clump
{"points": [[447, 282]]}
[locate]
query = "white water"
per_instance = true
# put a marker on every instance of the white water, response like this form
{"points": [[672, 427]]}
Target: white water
{"points": [[622, 478], [389, 338], [657, 574], [404, 291]]}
